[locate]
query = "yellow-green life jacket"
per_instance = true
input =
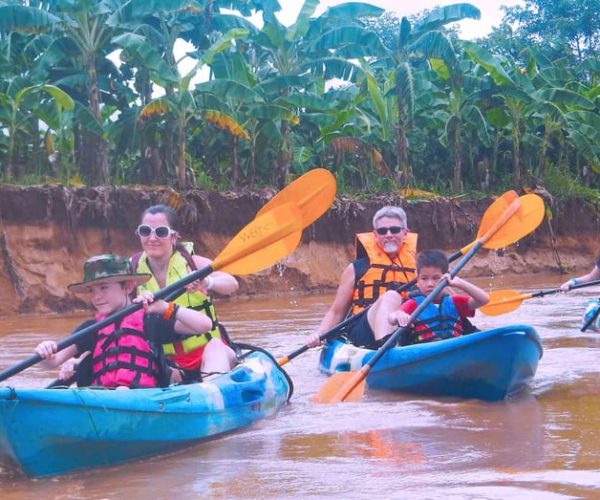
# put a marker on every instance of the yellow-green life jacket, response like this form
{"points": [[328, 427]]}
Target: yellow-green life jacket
{"points": [[177, 269]]}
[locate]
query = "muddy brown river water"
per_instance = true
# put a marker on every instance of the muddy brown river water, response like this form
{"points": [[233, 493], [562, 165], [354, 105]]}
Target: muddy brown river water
{"points": [[545, 443]]}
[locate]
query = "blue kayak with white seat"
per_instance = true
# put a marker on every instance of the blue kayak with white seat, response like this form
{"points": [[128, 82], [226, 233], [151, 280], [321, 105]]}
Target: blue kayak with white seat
{"points": [[488, 365], [54, 431]]}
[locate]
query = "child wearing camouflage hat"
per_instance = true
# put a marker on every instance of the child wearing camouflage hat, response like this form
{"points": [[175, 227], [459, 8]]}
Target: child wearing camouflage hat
{"points": [[123, 355]]}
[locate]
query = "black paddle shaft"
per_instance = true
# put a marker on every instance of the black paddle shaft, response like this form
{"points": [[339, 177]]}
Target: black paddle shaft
{"points": [[552, 291], [76, 337]]}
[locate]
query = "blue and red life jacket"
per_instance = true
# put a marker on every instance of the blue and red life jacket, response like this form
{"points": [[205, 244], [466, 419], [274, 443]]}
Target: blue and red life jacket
{"points": [[122, 355], [436, 322]]}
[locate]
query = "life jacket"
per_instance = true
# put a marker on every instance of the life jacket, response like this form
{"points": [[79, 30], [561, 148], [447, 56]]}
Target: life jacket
{"points": [[123, 356], [180, 263], [436, 322], [381, 273]]}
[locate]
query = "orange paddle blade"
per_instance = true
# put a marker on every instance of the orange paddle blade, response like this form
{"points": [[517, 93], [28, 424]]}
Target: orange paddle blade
{"points": [[266, 240], [520, 223], [336, 385], [504, 301], [525, 220], [495, 211], [313, 193]]}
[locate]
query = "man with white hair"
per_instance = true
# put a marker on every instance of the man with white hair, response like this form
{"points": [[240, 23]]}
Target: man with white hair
{"points": [[385, 260]]}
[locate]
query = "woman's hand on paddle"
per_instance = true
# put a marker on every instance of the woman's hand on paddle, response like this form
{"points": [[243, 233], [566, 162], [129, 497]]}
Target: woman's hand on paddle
{"points": [[46, 349], [566, 286], [149, 304], [399, 318], [202, 285]]}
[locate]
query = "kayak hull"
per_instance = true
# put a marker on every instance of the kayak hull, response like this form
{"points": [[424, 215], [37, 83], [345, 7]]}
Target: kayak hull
{"points": [[54, 431], [489, 365]]}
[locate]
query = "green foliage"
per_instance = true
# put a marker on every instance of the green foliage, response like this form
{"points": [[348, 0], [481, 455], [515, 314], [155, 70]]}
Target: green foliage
{"points": [[382, 102], [563, 186]]}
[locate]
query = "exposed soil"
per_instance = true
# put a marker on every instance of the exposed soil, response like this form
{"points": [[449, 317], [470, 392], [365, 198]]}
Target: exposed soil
{"points": [[46, 232]]}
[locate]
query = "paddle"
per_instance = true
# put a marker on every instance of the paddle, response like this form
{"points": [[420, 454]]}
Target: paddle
{"points": [[522, 216], [264, 241], [505, 301], [313, 193], [491, 214], [336, 330]]}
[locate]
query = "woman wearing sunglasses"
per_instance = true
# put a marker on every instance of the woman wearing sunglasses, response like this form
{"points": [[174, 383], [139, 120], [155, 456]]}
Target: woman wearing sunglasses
{"points": [[167, 260], [385, 260]]}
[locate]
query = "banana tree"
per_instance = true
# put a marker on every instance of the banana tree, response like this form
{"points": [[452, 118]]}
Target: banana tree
{"points": [[460, 101], [292, 64], [19, 105], [181, 105], [425, 40]]}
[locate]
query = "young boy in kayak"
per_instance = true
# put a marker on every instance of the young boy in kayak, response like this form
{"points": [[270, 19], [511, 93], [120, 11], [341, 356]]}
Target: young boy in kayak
{"points": [[123, 355], [445, 317]]}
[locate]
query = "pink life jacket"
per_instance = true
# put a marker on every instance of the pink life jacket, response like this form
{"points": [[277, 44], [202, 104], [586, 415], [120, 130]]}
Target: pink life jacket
{"points": [[123, 356]]}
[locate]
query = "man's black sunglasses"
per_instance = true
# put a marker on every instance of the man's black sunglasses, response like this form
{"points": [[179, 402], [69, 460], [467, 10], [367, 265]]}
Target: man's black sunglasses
{"points": [[394, 230]]}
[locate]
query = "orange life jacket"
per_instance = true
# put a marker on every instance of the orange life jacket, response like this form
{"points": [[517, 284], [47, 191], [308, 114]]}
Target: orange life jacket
{"points": [[382, 273]]}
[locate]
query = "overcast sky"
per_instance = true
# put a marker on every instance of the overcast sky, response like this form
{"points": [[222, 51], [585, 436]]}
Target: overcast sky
{"points": [[491, 14]]}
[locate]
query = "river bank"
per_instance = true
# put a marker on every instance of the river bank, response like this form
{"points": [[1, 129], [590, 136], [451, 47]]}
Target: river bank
{"points": [[46, 232]]}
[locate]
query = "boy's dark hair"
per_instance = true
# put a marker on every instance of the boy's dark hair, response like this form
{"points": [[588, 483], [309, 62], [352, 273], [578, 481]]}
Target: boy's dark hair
{"points": [[432, 258]]}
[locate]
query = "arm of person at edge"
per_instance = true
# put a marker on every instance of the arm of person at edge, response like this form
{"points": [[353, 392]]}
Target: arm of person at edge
{"points": [[594, 274], [187, 321], [217, 281], [338, 309]]}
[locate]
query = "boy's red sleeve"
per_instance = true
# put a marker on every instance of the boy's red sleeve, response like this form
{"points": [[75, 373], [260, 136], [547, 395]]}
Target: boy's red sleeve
{"points": [[409, 306], [462, 306]]}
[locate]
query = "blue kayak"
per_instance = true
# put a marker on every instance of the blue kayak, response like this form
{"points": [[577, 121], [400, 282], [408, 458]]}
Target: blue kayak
{"points": [[591, 318], [54, 431], [489, 365]]}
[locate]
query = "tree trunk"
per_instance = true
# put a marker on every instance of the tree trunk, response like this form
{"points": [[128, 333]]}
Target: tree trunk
{"points": [[403, 170], [181, 177], [284, 157], [150, 151], [235, 163], [543, 150], [8, 170], [516, 160], [457, 177], [169, 151], [96, 163], [251, 179]]}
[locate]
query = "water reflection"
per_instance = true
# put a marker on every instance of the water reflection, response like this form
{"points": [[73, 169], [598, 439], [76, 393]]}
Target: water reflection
{"points": [[544, 443]]}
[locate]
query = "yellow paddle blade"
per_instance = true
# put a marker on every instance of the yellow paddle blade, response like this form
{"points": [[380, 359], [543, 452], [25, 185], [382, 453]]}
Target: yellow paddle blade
{"points": [[335, 385], [266, 240], [495, 210], [313, 193], [503, 301]]}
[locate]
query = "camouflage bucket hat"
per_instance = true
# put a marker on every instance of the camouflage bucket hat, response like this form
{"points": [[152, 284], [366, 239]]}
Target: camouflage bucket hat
{"points": [[107, 269]]}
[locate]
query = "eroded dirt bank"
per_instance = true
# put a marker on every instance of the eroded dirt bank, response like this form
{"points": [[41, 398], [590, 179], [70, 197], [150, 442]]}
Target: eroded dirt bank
{"points": [[46, 233]]}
